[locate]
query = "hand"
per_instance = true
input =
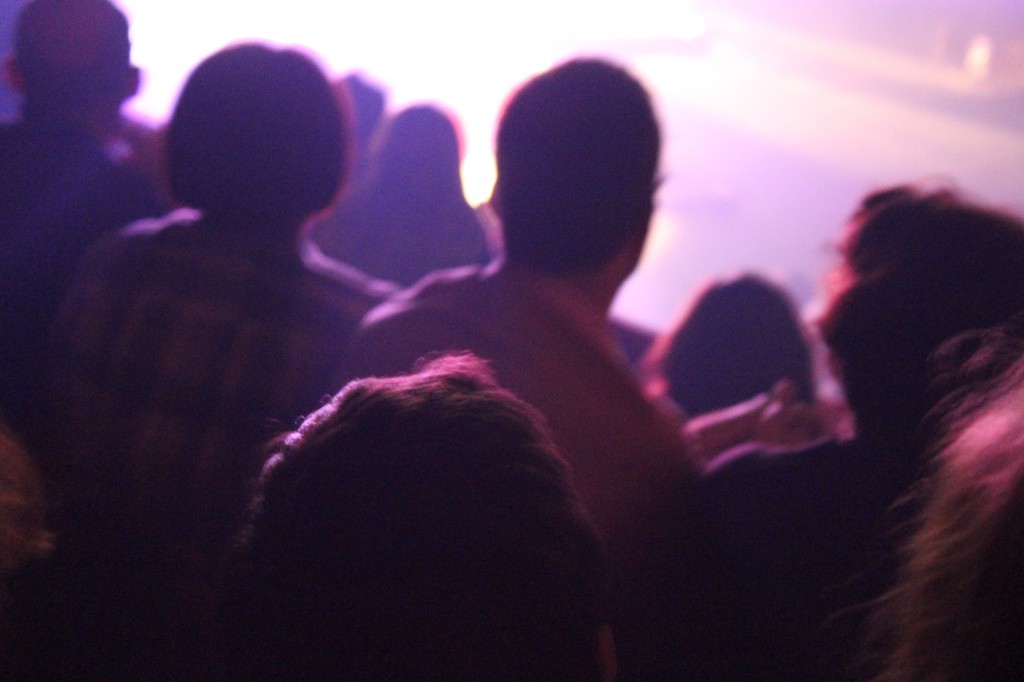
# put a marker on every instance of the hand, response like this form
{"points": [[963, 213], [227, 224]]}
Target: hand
{"points": [[773, 418], [785, 422]]}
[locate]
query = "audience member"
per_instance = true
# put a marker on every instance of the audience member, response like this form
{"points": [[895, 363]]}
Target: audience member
{"points": [[61, 187], [409, 217], [205, 335], [577, 156], [192, 339], [956, 612], [794, 542], [429, 532], [737, 339]]}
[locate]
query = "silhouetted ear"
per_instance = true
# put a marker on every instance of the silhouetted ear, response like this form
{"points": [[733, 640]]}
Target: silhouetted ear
{"points": [[606, 658], [12, 75]]}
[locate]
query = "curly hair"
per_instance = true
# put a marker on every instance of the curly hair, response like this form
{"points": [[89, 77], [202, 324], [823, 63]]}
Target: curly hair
{"points": [[418, 527]]}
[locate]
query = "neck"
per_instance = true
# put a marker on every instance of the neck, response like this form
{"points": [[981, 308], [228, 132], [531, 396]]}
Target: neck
{"points": [[268, 226], [597, 288]]}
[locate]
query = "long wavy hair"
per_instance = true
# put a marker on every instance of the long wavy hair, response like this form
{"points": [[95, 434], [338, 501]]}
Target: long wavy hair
{"points": [[957, 610]]}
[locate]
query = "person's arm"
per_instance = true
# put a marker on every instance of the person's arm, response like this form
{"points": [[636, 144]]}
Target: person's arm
{"points": [[773, 418]]}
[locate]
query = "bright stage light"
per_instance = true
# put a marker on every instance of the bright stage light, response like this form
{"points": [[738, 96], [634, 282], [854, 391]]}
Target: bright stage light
{"points": [[464, 54]]}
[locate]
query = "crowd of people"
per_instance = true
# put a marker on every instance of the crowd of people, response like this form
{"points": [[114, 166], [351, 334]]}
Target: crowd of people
{"points": [[277, 403]]}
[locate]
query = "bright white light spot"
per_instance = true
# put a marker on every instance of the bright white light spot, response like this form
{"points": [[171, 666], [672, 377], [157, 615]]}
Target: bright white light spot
{"points": [[978, 59], [664, 233], [465, 54]]}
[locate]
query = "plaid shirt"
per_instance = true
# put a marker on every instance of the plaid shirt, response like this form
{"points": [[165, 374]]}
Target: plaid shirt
{"points": [[188, 347]]}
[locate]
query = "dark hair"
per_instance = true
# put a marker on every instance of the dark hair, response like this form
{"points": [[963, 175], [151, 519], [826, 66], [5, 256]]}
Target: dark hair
{"points": [[737, 339], [418, 152], [577, 158], [957, 610], [72, 53], [368, 102], [919, 267], [418, 527], [257, 132]]}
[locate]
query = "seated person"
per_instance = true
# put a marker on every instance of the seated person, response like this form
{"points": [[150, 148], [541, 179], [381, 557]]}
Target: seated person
{"points": [[420, 527]]}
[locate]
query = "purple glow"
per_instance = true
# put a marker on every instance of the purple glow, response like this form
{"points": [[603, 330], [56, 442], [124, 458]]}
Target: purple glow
{"points": [[776, 121]]}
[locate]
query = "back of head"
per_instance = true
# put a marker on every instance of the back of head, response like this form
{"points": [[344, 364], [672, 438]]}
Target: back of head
{"points": [[417, 157], [417, 527], [72, 55], [257, 134], [919, 268], [957, 612], [738, 339], [577, 157]]}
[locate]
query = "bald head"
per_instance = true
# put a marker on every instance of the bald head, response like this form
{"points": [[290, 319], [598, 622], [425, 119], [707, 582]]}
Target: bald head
{"points": [[72, 55]]}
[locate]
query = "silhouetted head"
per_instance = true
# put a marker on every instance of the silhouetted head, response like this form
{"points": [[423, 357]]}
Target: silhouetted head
{"points": [[71, 58], [918, 268], [418, 528], [257, 135], [738, 339], [577, 157], [418, 154]]}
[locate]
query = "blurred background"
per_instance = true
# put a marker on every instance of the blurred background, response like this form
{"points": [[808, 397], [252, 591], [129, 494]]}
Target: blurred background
{"points": [[777, 116]]}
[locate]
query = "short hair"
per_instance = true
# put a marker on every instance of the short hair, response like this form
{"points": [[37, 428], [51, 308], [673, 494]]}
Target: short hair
{"points": [[737, 339], [72, 54], [919, 267], [257, 131], [577, 156], [418, 527]]}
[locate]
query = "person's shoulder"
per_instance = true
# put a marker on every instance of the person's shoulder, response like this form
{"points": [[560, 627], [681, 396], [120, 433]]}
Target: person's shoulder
{"points": [[345, 276], [437, 294], [137, 240], [170, 228], [433, 316]]}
